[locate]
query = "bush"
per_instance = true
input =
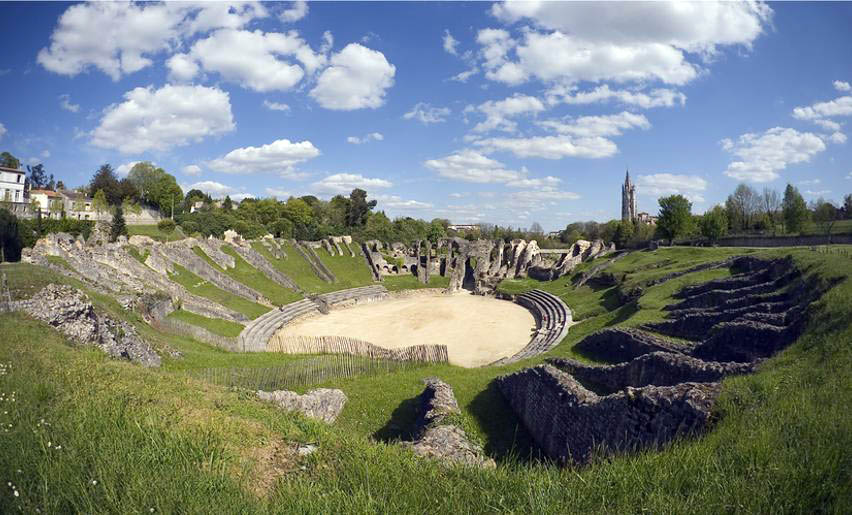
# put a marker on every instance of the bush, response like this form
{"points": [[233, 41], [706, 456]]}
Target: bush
{"points": [[189, 227], [167, 225]]}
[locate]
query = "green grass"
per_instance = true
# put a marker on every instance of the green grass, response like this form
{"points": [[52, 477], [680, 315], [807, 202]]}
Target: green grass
{"points": [[349, 272], [409, 282], [153, 438], [252, 277], [140, 256], [154, 232], [59, 261], [297, 269], [214, 325], [201, 287]]}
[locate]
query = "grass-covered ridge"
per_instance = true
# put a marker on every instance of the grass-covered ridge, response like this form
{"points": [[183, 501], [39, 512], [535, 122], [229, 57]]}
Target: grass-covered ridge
{"points": [[780, 444], [154, 232], [204, 288]]}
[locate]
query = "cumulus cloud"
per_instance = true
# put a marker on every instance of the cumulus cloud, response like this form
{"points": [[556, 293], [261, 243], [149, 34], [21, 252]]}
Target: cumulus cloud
{"points": [[604, 125], [762, 156], [837, 137], [295, 13], [159, 119], [465, 75], [841, 106], [191, 170], [357, 78], [279, 156], [427, 114], [450, 43], [3, 130], [840, 85], [275, 106], [471, 166], [657, 184], [637, 41], [255, 60], [373, 136], [65, 103], [499, 114], [397, 202], [552, 147], [660, 97], [124, 168], [278, 193], [119, 38], [346, 182], [213, 188]]}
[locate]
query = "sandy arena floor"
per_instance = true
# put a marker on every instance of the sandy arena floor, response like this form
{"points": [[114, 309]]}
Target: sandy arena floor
{"points": [[476, 330]]}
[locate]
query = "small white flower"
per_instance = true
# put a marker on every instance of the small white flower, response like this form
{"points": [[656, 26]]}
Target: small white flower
{"points": [[16, 493]]}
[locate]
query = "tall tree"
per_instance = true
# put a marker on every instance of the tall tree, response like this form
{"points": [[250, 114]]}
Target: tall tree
{"points": [[675, 219], [714, 223], [10, 237], [794, 209], [118, 227], [99, 202], [536, 228], [825, 215], [37, 177], [847, 205], [105, 180], [359, 208], [227, 204], [9, 161], [742, 206]]}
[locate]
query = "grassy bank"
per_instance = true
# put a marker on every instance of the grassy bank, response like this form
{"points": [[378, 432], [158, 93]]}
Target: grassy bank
{"points": [[203, 288], [214, 325], [154, 438], [409, 282], [152, 231]]}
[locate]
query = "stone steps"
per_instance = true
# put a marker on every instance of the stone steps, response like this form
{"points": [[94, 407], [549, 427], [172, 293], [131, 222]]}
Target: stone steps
{"points": [[361, 293], [257, 333], [553, 316]]}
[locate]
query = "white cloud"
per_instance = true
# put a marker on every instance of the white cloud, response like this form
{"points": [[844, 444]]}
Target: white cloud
{"points": [[592, 126], [119, 38], [279, 156], [3, 130], [254, 60], [636, 41], [828, 125], [275, 106], [65, 103], [191, 170], [346, 182], [657, 184], [498, 113], [840, 85], [552, 147], [358, 78], [182, 68], [535, 198], [458, 195], [159, 119], [278, 193], [295, 13], [373, 136], [465, 75], [212, 188], [124, 169], [837, 137], [396, 202], [660, 97], [819, 193], [45, 154], [471, 166], [810, 182], [427, 114], [450, 43], [841, 106], [762, 156]]}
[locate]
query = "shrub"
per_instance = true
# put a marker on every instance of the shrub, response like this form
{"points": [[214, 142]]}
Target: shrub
{"points": [[167, 225]]}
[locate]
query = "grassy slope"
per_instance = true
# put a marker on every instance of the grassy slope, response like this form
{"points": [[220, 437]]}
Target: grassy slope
{"points": [[253, 278], [214, 325], [199, 286], [295, 266], [154, 232], [409, 282], [349, 272], [781, 443]]}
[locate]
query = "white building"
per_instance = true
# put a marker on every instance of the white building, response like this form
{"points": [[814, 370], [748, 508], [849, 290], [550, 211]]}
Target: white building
{"points": [[12, 185], [48, 202], [77, 205]]}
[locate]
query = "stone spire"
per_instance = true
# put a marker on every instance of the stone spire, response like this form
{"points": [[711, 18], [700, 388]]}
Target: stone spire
{"points": [[628, 199]]}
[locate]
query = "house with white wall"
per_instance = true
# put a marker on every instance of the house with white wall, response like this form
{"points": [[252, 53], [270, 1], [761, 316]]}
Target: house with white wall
{"points": [[48, 202], [12, 185]]}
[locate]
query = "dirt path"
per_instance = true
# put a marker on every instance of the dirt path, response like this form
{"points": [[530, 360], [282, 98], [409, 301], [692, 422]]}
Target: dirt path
{"points": [[476, 330]]}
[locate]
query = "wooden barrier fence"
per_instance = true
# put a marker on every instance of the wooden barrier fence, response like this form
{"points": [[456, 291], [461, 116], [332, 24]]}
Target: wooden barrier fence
{"points": [[182, 328], [355, 347]]}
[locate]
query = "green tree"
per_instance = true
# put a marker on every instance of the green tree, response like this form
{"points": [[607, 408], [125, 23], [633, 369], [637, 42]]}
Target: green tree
{"points": [[675, 218], [623, 233], [10, 237], [9, 161], [847, 205], [144, 176], [436, 231], [99, 202], [105, 180], [794, 209], [227, 205], [167, 225], [825, 216], [378, 227], [359, 208], [118, 227], [37, 177], [714, 223], [742, 206]]}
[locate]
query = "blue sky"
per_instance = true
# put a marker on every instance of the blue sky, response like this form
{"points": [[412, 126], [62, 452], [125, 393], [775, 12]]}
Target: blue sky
{"points": [[477, 112]]}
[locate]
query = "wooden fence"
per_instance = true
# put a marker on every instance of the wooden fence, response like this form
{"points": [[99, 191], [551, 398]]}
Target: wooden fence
{"points": [[182, 328], [355, 347], [307, 372]]}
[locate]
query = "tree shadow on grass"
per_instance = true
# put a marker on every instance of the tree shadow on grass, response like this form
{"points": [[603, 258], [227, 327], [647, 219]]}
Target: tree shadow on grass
{"points": [[507, 438], [400, 427]]}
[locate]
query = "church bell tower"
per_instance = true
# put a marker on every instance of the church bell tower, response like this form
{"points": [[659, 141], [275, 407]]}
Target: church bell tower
{"points": [[628, 200]]}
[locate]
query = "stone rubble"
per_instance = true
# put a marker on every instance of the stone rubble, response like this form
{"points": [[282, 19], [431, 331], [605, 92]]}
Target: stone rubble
{"points": [[323, 404]]}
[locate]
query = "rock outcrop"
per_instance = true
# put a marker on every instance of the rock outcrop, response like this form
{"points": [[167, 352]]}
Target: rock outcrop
{"points": [[435, 437], [70, 312], [323, 404]]}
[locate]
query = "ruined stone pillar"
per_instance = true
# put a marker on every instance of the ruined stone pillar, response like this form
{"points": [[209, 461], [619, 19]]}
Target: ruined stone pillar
{"points": [[428, 261]]}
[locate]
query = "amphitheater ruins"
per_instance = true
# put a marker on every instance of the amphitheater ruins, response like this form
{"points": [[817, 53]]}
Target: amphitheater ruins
{"points": [[653, 390]]}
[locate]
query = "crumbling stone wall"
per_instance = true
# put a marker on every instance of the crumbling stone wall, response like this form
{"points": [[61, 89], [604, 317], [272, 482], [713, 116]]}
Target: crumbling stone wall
{"points": [[437, 438], [323, 404]]}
